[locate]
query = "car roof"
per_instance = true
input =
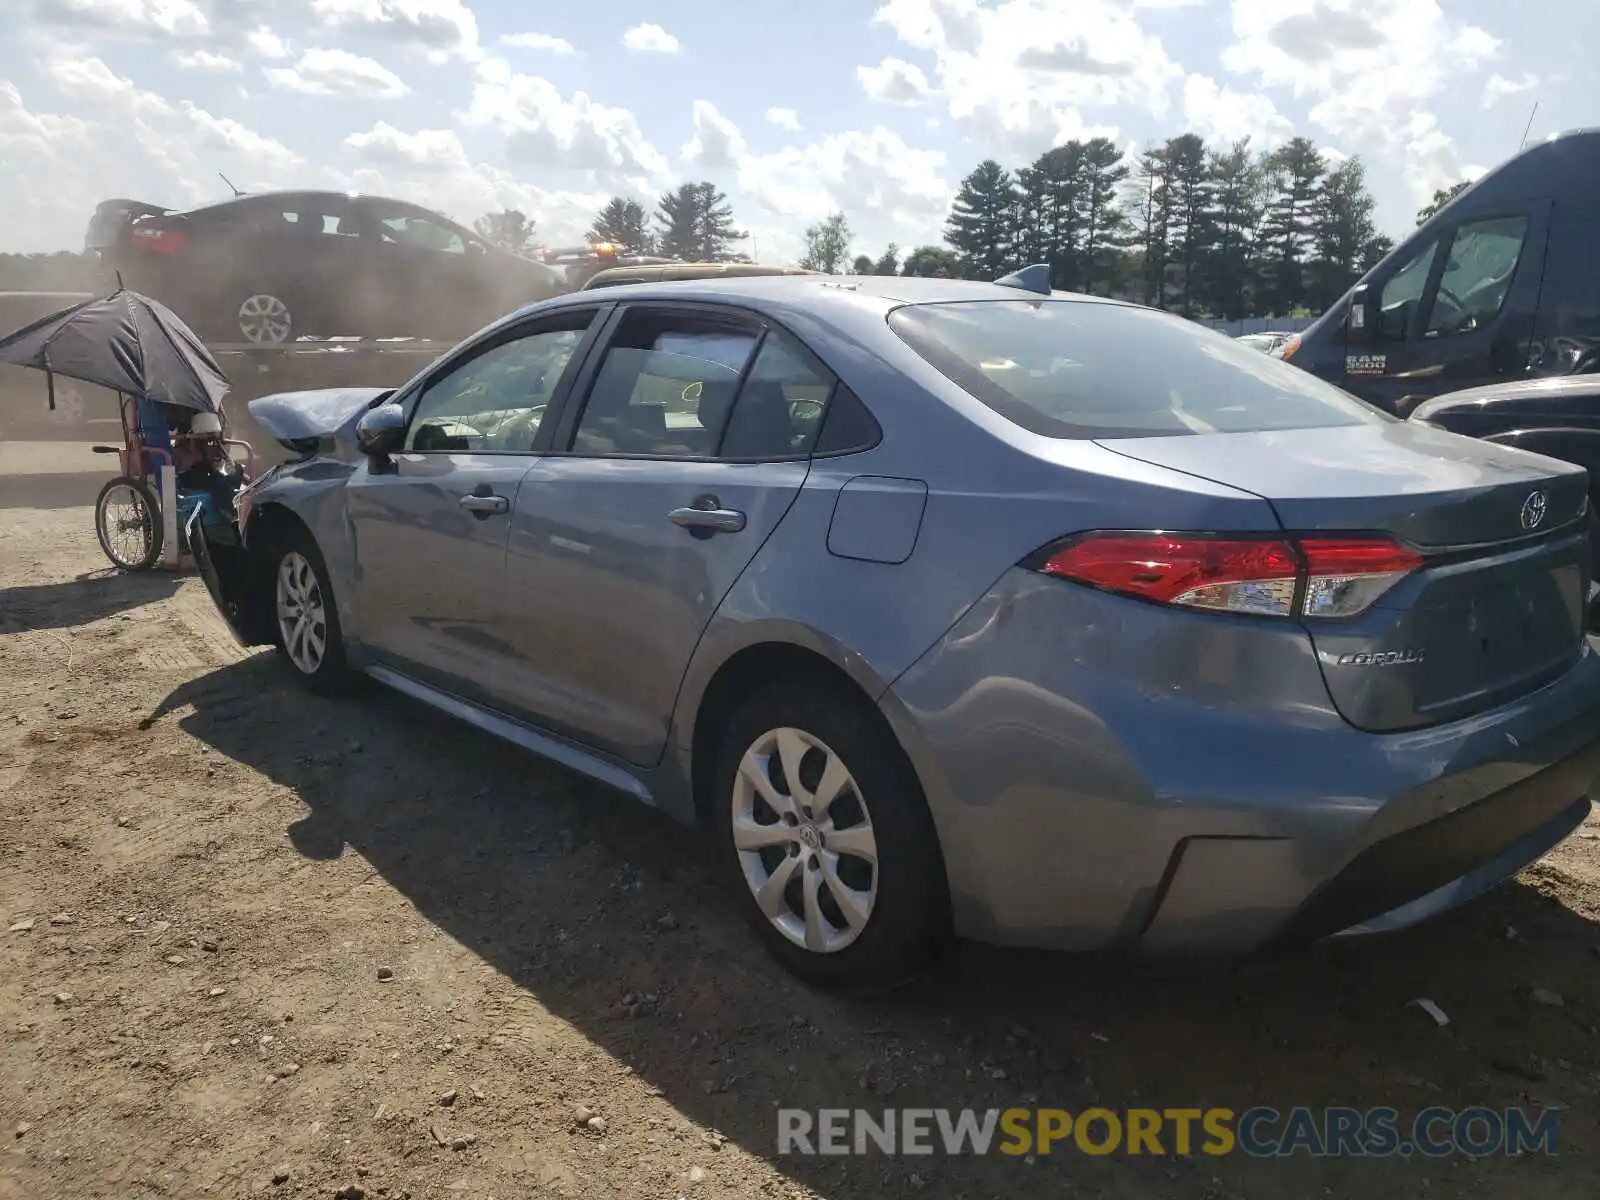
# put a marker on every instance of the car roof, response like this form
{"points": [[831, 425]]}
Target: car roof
{"points": [[307, 194], [664, 269], [760, 291]]}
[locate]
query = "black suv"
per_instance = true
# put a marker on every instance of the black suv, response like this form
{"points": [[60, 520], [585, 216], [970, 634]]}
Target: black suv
{"points": [[283, 265]]}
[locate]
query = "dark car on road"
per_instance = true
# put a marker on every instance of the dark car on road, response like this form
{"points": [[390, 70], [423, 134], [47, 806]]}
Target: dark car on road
{"points": [[284, 265], [1498, 285]]}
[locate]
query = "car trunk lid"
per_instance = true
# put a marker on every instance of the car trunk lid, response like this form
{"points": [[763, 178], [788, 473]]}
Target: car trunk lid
{"points": [[1497, 608]]}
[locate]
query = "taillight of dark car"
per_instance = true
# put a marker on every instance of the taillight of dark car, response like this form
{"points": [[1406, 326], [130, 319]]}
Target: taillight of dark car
{"points": [[1311, 576], [158, 240]]}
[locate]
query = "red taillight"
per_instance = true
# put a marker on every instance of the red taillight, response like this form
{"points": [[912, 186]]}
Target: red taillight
{"points": [[161, 241], [1336, 577]]}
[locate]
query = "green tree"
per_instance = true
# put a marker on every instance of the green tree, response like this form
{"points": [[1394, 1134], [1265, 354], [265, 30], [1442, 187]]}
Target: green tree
{"points": [[622, 222], [1289, 230], [1193, 224], [695, 224], [1049, 213], [1239, 183], [828, 246], [927, 261], [1441, 197], [1104, 227], [1344, 232], [982, 222], [1152, 212], [510, 229], [862, 265], [889, 264]]}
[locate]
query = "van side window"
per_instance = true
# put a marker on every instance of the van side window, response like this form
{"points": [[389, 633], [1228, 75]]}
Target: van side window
{"points": [[1477, 276], [1402, 295]]}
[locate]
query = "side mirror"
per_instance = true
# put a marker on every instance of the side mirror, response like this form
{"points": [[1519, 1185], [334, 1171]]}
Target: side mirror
{"points": [[1358, 321], [381, 431]]}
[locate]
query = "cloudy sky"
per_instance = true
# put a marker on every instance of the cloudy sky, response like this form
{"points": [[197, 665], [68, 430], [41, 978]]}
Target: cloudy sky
{"points": [[796, 107]]}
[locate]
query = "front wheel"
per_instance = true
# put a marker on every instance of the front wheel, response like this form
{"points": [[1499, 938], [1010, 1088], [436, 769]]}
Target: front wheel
{"points": [[305, 620], [827, 840], [127, 520]]}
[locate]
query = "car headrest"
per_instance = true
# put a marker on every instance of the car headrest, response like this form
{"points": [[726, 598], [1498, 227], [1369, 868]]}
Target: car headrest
{"points": [[712, 408], [762, 424]]}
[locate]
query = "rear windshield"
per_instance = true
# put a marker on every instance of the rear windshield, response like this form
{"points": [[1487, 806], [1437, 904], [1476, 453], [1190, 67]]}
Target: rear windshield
{"points": [[1070, 369]]}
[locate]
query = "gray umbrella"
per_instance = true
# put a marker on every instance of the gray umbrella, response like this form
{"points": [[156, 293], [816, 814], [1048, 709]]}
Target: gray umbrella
{"points": [[126, 342]]}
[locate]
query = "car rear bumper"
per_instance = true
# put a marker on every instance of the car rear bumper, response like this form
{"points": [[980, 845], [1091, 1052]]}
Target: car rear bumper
{"points": [[1107, 774]]}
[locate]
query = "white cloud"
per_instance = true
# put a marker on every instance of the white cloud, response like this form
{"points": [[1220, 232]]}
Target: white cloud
{"points": [[338, 73], [542, 129], [169, 18], [784, 118], [717, 143], [1221, 114], [650, 39], [207, 61], [1500, 88], [1367, 72], [444, 27], [1023, 75], [543, 42], [894, 81], [266, 43], [428, 149]]}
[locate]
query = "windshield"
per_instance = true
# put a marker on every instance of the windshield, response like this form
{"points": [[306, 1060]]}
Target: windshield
{"points": [[1071, 369]]}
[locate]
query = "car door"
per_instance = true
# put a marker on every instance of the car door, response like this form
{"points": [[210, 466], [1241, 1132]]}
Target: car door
{"points": [[430, 526], [682, 458], [1460, 311], [434, 271]]}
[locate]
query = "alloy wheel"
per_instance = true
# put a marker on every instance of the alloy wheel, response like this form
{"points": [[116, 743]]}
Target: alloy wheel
{"points": [[302, 617], [265, 319], [805, 840]]}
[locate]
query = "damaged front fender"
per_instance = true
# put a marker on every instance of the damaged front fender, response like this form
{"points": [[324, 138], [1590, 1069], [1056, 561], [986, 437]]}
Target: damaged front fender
{"points": [[235, 578]]}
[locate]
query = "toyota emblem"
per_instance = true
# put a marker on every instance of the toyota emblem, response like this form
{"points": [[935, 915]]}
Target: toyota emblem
{"points": [[1533, 509]]}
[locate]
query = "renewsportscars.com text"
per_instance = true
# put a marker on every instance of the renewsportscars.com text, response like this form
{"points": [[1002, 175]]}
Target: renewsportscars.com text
{"points": [[1259, 1132]]}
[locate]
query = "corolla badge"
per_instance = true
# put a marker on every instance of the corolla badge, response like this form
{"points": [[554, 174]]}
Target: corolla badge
{"points": [[1533, 510]]}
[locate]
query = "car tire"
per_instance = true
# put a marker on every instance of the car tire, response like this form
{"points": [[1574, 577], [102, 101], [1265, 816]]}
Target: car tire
{"points": [[855, 897], [302, 606]]}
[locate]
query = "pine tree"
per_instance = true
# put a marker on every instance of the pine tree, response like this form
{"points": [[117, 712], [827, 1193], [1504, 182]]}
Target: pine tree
{"points": [[1152, 220], [1344, 233], [622, 222], [1289, 228], [1104, 226], [1193, 224], [981, 227], [695, 224], [1238, 197]]}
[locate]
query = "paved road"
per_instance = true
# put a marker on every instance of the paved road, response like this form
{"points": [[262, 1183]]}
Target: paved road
{"points": [[51, 474]]}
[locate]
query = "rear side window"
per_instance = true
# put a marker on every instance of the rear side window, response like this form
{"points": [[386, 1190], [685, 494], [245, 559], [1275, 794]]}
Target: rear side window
{"points": [[1070, 369]]}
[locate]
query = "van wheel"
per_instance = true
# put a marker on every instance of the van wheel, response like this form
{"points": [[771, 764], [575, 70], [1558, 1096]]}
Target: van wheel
{"points": [[825, 837], [305, 626]]}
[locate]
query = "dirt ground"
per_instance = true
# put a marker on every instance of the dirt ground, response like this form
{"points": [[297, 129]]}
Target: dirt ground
{"points": [[265, 944]]}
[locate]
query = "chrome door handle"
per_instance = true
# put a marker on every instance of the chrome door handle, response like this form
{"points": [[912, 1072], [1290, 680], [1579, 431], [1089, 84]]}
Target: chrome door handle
{"points": [[707, 518], [485, 505]]}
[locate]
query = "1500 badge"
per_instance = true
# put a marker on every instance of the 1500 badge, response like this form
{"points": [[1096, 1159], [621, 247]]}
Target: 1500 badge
{"points": [[1385, 658]]}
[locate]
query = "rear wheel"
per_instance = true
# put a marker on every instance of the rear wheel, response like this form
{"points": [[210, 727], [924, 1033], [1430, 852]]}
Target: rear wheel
{"points": [[826, 838], [127, 520], [265, 318], [305, 619]]}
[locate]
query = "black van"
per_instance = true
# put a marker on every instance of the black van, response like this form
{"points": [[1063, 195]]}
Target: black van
{"points": [[1503, 283]]}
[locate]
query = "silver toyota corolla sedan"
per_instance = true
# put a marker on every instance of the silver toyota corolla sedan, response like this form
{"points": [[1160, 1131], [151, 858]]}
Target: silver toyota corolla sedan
{"points": [[954, 607]]}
